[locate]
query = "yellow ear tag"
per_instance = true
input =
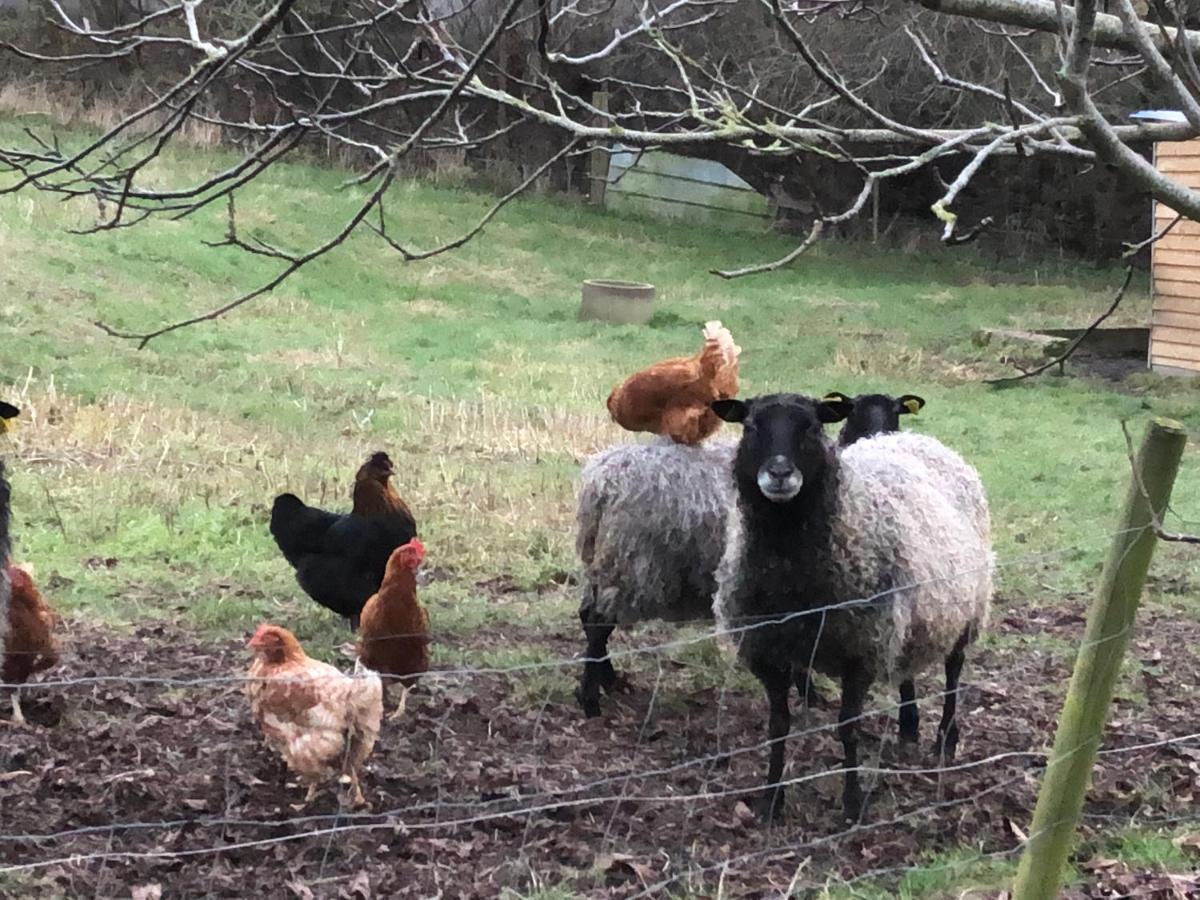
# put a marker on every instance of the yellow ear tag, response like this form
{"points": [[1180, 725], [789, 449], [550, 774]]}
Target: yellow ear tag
{"points": [[835, 397], [8, 425], [913, 406]]}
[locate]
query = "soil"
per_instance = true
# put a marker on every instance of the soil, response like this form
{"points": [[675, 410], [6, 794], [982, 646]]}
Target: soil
{"points": [[123, 789]]}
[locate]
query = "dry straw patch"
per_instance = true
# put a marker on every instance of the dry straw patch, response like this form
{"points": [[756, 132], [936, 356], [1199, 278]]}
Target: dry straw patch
{"points": [[489, 427], [492, 482], [880, 355], [435, 309], [66, 107]]}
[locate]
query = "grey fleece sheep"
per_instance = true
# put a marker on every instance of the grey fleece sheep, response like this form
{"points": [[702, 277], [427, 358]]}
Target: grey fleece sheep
{"points": [[651, 530], [813, 529]]}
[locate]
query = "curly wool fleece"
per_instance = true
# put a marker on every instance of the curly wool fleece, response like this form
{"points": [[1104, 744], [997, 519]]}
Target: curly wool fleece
{"points": [[651, 528], [956, 478], [894, 536]]}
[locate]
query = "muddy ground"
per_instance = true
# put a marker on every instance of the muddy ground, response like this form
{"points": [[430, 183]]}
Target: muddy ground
{"points": [[120, 787]]}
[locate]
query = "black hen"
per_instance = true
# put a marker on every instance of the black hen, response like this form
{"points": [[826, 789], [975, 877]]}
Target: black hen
{"points": [[340, 559], [7, 412]]}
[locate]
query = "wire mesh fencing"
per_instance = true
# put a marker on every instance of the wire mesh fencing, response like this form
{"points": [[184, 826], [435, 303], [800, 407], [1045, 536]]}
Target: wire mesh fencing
{"points": [[144, 767]]}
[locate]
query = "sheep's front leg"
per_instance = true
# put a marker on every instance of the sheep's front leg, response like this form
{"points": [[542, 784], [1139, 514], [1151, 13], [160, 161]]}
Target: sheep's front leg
{"points": [[947, 736], [855, 683], [598, 669], [777, 683]]}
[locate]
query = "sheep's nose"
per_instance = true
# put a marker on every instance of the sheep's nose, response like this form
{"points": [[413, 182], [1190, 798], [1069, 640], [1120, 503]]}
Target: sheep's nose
{"points": [[779, 467]]}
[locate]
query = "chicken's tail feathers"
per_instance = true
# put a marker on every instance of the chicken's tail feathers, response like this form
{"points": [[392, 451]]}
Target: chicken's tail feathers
{"points": [[720, 352], [715, 332]]}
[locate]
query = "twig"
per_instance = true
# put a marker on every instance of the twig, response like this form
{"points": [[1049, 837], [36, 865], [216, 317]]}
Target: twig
{"points": [[1162, 533], [813, 235], [1065, 355], [1133, 249]]}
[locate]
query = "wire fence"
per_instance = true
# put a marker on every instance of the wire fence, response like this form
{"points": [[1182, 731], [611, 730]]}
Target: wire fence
{"points": [[515, 790]]}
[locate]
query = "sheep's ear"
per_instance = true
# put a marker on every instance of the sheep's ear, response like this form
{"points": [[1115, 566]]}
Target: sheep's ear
{"points": [[834, 407], [909, 403], [732, 410]]}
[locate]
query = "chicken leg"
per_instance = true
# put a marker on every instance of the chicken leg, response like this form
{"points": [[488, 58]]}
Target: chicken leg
{"points": [[399, 711], [18, 718], [357, 799]]}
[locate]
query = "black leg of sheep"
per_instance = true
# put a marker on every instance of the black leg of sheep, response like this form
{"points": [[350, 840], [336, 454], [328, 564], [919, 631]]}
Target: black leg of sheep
{"points": [[855, 685], [778, 684], [947, 736], [598, 671]]}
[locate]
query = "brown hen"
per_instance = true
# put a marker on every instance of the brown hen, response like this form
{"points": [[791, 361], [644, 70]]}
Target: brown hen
{"points": [[31, 646], [318, 719], [394, 626], [672, 397]]}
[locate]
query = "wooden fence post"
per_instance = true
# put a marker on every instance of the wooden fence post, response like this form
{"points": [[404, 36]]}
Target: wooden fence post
{"points": [[599, 157], [1110, 623]]}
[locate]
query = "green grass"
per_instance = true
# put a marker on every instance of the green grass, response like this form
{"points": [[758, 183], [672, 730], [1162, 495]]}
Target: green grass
{"points": [[472, 368]]}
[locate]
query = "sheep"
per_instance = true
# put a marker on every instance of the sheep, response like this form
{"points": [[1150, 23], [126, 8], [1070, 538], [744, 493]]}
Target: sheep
{"points": [[651, 530], [875, 414], [815, 528]]}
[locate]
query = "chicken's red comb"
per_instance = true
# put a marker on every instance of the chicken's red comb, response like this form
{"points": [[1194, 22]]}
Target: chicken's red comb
{"points": [[20, 577], [414, 552], [262, 630]]}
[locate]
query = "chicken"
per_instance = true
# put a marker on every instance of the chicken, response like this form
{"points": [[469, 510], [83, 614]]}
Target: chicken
{"points": [[672, 397], [31, 646], [394, 629], [318, 719], [340, 559]]}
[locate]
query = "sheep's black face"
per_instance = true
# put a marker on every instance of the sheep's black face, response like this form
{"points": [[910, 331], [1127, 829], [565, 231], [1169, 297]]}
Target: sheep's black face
{"points": [[876, 414], [783, 446]]}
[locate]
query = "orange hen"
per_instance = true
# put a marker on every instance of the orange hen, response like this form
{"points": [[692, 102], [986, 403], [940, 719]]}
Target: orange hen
{"points": [[318, 719], [31, 646], [672, 397], [394, 626]]}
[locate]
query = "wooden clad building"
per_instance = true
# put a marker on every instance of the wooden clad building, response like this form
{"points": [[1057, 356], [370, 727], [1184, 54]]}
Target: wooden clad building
{"points": [[1175, 264]]}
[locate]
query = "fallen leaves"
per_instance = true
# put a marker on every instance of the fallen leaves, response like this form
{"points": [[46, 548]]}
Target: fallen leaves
{"points": [[478, 751]]}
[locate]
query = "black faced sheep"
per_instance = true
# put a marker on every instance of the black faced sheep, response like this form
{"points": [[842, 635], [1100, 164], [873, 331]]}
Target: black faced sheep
{"points": [[651, 530], [895, 573], [875, 414]]}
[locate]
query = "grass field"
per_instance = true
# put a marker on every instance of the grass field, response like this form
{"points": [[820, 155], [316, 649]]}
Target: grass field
{"points": [[142, 479]]}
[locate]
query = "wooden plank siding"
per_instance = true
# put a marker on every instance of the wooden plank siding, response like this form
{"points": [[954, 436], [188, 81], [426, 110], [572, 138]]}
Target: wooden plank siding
{"points": [[1175, 270]]}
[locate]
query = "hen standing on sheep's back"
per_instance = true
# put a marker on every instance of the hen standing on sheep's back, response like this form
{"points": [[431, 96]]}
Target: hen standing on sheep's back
{"points": [[672, 397], [314, 716]]}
